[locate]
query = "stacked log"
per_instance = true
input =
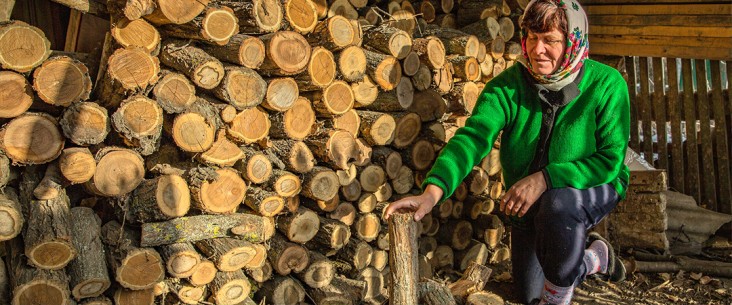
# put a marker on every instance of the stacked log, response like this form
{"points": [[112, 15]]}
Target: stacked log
{"points": [[227, 145]]}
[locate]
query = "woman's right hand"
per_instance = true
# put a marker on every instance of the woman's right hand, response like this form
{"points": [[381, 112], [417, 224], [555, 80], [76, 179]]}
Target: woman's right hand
{"points": [[421, 205]]}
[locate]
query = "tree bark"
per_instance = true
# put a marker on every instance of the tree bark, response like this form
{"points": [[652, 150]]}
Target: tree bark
{"points": [[11, 215], [403, 232], [203, 69], [384, 70], [249, 227], [257, 17], [85, 123], [31, 285], [433, 293], [88, 272], [265, 203]]}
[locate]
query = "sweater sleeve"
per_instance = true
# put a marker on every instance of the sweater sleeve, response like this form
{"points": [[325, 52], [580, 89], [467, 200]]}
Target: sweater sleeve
{"points": [[612, 134], [472, 142]]}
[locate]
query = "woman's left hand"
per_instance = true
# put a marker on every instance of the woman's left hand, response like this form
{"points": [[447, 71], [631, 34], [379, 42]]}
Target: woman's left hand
{"points": [[522, 195]]}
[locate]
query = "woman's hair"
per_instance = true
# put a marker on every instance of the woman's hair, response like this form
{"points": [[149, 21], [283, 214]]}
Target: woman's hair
{"points": [[544, 16]]}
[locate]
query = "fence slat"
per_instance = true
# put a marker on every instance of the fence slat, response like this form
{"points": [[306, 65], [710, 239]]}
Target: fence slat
{"points": [[720, 137], [659, 113], [634, 132], [645, 111], [692, 154], [708, 177], [674, 110]]}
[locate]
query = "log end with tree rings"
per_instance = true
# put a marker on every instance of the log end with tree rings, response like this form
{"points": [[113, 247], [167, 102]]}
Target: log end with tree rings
{"points": [[428, 11], [431, 106], [321, 68], [230, 287], [223, 152], [259, 260], [133, 68], [219, 25], [176, 11], [268, 15], [209, 74], [22, 46], [335, 100], [410, 64], [61, 81], [32, 138], [345, 213], [400, 44], [321, 184], [288, 51], [11, 217], [258, 169], [203, 273], [140, 269], [136, 33], [301, 15], [223, 194], [174, 92], [377, 128], [407, 129], [140, 121], [422, 154], [118, 172], [341, 31], [77, 164], [365, 92], [352, 63], [281, 94], [173, 195], [367, 227], [296, 123], [435, 52], [372, 177], [388, 73], [242, 87], [265, 203], [349, 121], [16, 94], [404, 21], [302, 226], [192, 133], [249, 126], [251, 52], [129, 296]]}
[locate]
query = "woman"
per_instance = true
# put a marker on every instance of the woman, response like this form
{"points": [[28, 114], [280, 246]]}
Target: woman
{"points": [[565, 122]]}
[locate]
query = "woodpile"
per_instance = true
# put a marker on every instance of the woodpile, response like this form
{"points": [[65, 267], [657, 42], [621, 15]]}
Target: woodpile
{"points": [[230, 152]]}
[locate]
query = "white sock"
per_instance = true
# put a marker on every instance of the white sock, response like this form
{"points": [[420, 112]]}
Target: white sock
{"points": [[556, 295], [596, 257]]}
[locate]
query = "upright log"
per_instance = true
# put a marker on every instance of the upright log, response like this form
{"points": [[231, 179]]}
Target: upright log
{"points": [[16, 36], [88, 271]]}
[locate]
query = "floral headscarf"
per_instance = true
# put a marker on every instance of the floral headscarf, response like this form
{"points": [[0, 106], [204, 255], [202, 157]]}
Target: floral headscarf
{"points": [[577, 49]]}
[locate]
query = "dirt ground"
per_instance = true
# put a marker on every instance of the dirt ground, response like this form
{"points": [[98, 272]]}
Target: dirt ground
{"points": [[641, 288]]}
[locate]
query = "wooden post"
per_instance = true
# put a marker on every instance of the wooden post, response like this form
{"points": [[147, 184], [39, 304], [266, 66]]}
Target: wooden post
{"points": [[403, 232]]}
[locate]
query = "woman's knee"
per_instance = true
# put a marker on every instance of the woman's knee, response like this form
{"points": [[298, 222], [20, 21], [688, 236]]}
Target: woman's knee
{"points": [[559, 204]]}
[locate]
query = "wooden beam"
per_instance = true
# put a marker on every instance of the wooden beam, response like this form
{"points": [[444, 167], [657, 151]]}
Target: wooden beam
{"points": [[724, 32], [676, 41], [661, 20], [6, 8], [660, 51], [72, 31], [660, 9]]}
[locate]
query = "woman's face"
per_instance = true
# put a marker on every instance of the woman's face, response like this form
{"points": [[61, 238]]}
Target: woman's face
{"points": [[546, 51]]}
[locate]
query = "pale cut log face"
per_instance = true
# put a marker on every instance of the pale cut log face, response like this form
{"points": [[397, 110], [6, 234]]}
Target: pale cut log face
{"points": [[61, 81], [181, 11], [133, 68], [400, 44], [141, 270], [136, 33], [290, 51], [16, 94], [341, 31], [22, 47], [49, 293], [32, 139], [220, 25], [269, 13]]}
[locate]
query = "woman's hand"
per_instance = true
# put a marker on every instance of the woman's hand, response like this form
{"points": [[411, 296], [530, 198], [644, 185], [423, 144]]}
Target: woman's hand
{"points": [[421, 205], [522, 195]]}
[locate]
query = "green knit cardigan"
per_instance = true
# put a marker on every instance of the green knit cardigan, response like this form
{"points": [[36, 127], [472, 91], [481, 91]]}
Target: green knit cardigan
{"points": [[587, 144]]}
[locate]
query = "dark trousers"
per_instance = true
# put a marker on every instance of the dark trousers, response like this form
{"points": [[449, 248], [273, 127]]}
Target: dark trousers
{"points": [[552, 244]]}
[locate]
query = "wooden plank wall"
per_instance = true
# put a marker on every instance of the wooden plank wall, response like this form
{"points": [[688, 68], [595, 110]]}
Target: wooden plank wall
{"points": [[676, 52], [661, 28], [692, 108]]}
